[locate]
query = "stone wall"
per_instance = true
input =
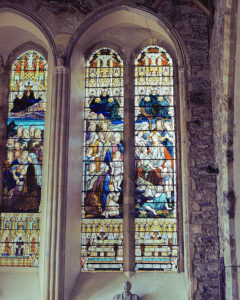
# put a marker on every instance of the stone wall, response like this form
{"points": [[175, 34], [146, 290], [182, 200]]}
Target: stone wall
{"points": [[63, 20], [194, 28], [222, 64], [219, 107]]}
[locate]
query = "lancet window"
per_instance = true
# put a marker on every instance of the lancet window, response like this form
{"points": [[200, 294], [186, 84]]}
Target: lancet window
{"points": [[102, 201], [156, 246], [156, 239], [22, 177]]}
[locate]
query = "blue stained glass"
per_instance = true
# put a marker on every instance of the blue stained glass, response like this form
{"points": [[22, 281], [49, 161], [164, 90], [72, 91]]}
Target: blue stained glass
{"points": [[155, 192], [102, 202], [22, 178]]}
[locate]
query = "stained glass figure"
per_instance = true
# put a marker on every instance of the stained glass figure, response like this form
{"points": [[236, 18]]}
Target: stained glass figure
{"points": [[25, 125], [102, 204], [155, 192], [22, 177]]}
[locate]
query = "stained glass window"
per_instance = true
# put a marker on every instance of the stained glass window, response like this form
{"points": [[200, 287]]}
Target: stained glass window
{"points": [[102, 204], [22, 178], [156, 246]]}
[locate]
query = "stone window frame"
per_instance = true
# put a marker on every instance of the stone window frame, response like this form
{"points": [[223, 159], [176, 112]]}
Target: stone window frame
{"points": [[75, 60], [129, 147]]}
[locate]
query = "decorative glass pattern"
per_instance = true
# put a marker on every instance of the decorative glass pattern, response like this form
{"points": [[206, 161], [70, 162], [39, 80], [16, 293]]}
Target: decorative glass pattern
{"points": [[22, 178], [102, 240], [19, 236], [155, 193]]}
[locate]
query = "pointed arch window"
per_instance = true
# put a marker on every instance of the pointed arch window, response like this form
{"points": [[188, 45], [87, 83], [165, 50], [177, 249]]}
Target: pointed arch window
{"points": [[102, 201], [156, 246], [22, 178], [156, 242]]}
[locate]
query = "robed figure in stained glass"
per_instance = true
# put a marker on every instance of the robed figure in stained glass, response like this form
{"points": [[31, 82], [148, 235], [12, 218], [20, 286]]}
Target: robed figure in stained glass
{"points": [[27, 100], [153, 106], [22, 178], [153, 137], [107, 106], [98, 190], [102, 202], [155, 189]]}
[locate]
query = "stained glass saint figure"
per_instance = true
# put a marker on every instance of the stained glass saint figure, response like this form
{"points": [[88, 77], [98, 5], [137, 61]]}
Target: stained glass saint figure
{"points": [[155, 191], [102, 202], [22, 177]]}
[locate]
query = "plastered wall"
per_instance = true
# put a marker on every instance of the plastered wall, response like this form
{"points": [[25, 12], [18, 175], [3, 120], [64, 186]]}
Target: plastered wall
{"points": [[18, 286], [152, 286]]}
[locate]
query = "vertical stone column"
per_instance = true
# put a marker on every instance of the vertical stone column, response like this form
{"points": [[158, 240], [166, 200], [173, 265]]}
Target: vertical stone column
{"points": [[183, 153], [56, 179], [224, 67], [129, 176]]}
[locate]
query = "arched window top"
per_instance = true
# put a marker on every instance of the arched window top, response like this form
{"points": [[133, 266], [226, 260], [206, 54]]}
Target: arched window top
{"points": [[104, 76], [28, 63], [105, 58], [28, 75], [154, 56], [154, 75], [32, 59]]}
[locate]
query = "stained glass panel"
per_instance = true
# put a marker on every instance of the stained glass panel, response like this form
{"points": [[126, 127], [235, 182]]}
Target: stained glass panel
{"points": [[102, 204], [25, 125], [20, 240], [155, 192], [22, 178]]}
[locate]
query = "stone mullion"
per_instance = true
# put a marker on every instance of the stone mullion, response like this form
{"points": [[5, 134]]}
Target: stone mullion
{"points": [[56, 181], [129, 175]]}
